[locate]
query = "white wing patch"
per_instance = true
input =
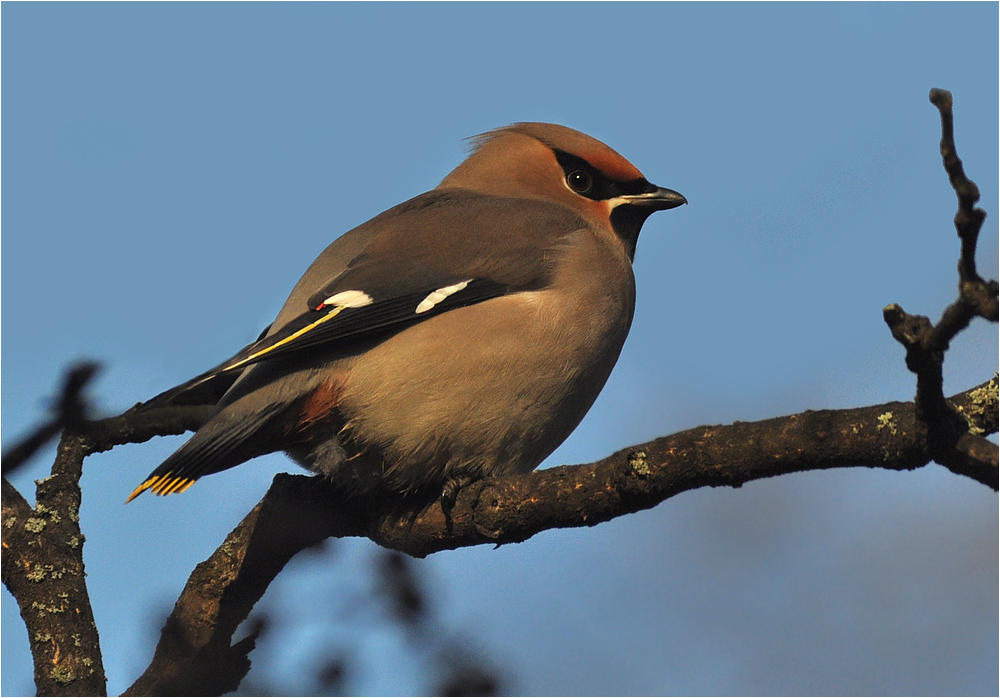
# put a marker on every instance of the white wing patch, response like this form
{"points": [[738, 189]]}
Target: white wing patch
{"points": [[439, 295], [349, 299]]}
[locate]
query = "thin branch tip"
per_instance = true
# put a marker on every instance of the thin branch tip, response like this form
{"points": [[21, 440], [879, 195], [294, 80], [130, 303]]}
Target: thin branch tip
{"points": [[941, 98]]}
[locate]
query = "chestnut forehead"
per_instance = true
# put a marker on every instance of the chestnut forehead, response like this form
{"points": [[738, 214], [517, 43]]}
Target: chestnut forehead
{"points": [[611, 163], [571, 141]]}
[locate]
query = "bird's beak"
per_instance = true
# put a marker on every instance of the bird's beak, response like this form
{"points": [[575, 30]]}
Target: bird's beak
{"points": [[656, 199]]}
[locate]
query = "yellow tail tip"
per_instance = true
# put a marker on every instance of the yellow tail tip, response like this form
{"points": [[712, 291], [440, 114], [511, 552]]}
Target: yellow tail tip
{"points": [[137, 491], [162, 485]]}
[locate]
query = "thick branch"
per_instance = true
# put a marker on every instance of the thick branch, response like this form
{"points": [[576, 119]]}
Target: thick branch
{"points": [[299, 511], [43, 569], [43, 555]]}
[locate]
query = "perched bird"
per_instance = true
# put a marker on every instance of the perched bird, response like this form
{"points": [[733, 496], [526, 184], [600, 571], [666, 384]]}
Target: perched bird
{"points": [[459, 335]]}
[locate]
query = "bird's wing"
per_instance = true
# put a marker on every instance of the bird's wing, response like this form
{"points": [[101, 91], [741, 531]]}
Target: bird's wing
{"points": [[206, 389], [396, 280], [337, 319]]}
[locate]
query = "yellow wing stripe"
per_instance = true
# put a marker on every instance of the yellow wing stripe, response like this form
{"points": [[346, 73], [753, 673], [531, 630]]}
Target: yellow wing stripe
{"points": [[295, 335]]}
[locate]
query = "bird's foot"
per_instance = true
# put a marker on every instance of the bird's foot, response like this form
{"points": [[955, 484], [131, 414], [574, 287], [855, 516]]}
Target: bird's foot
{"points": [[449, 495]]}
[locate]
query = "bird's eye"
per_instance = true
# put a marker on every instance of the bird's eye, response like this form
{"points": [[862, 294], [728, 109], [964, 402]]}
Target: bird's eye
{"points": [[579, 181]]}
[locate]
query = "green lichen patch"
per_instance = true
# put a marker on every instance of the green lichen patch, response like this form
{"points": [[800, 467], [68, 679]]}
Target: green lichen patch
{"points": [[51, 513], [45, 609], [38, 573], [637, 460], [35, 525], [982, 400], [887, 421], [61, 675]]}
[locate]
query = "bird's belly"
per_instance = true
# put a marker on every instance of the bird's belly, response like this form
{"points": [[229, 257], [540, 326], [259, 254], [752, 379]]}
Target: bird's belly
{"points": [[458, 397]]}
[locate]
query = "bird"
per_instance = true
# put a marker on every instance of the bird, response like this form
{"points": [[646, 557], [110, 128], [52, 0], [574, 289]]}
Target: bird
{"points": [[460, 335]]}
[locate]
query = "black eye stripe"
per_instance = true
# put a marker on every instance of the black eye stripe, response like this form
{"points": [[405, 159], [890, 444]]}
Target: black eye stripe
{"points": [[600, 186]]}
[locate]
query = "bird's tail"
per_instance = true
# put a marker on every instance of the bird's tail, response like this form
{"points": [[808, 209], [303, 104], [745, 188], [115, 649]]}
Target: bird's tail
{"points": [[219, 445]]}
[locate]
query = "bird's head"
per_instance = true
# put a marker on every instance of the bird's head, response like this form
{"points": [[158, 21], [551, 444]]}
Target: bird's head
{"points": [[558, 164]]}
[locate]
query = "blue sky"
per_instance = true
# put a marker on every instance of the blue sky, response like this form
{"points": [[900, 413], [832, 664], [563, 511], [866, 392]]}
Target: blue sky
{"points": [[170, 169]]}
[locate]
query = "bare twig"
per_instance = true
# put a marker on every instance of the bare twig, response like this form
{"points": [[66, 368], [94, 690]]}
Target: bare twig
{"points": [[926, 343], [969, 219], [70, 411]]}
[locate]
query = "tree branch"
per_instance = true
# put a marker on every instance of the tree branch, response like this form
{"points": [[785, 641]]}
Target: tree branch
{"points": [[42, 560], [926, 343], [300, 511]]}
